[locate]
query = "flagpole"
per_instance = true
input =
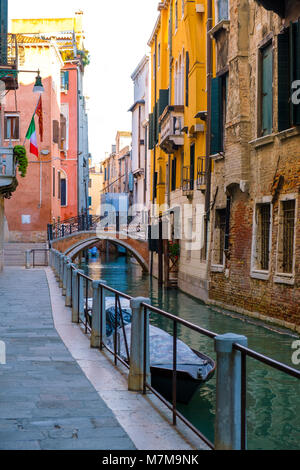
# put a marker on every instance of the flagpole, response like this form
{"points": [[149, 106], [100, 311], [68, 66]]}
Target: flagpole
{"points": [[33, 115]]}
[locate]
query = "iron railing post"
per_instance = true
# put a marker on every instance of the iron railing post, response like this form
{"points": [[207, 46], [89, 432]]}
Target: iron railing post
{"points": [[228, 421], [27, 259], [75, 307], [137, 363], [65, 263], [61, 269], [96, 314], [69, 285], [80, 294]]}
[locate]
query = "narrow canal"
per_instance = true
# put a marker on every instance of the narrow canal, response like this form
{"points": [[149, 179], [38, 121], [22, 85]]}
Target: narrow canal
{"points": [[273, 408]]}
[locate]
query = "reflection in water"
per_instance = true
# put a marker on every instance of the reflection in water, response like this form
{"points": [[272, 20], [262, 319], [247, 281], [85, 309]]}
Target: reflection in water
{"points": [[273, 398]]}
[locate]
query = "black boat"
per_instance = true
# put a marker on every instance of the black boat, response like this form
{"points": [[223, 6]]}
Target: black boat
{"points": [[193, 367]]}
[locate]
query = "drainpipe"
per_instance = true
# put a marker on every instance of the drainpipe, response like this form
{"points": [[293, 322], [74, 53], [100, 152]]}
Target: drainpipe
{"points": [[208, 122], [154, 150]]}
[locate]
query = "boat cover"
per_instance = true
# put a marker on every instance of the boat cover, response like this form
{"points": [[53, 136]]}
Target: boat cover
{"points": [[161, 351]]}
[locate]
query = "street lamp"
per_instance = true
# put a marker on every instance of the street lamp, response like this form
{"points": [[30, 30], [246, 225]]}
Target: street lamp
{"points": [[38, 86]]}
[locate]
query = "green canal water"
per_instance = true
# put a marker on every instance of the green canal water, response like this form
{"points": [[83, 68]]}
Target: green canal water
{"points": [[273, 405]]}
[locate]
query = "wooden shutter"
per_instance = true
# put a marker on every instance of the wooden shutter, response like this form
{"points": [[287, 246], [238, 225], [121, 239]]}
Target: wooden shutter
{"points": [[55, 132], [284, 82], [216, 116], [267, 91], [163, 100], [187, 71]]}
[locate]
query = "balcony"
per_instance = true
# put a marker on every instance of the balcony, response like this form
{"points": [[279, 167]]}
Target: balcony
{"points": [[171, 135], [9, 61], [8, 180], [201, 181]]}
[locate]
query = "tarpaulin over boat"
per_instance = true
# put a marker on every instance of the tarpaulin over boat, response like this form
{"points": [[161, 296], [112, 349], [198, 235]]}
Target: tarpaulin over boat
{"points": [[161, 350]]}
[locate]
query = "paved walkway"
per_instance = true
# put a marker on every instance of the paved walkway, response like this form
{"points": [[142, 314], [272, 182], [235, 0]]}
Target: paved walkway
{"points": [[46, 401]]}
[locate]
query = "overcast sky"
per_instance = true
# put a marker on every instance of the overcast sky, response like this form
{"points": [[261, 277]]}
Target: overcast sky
{"points": [[117, 33]]}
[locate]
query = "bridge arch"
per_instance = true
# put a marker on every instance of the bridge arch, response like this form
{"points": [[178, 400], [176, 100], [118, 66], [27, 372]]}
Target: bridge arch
{"points": [[129, 244]]}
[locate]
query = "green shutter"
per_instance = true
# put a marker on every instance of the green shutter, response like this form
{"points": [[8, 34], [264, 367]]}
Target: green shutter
{"points": [[66, 80], [163, 100], [216, 116], [267, 91], [284, 121], [3, 31], [151, 141], [156, 123], [296, 37]]}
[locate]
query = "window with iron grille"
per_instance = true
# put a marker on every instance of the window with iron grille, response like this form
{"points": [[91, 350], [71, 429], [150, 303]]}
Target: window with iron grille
{"points": [[219, 236], [287, 237], [262, 236]]}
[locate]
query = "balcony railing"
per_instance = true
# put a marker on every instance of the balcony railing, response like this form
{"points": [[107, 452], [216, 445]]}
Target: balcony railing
{"points": [[9, 60], [8, 180], [201, 183], [171, 135]]}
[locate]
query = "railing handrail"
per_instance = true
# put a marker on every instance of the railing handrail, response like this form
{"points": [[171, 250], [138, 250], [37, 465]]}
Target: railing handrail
{"points": [[268, 361]]}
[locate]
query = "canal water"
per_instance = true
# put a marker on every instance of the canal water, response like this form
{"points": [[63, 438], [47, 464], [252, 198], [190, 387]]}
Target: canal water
{"points": [[273, 407]]}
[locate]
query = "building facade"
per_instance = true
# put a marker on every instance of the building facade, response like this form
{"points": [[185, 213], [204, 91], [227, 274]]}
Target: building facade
{"points": [[255, 233], [72, 129], [95, 188], [177, 140], [140, 132]]}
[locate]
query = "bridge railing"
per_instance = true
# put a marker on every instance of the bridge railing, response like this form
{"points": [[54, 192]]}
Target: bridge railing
{"points": [[120, 222], [231, 350]]}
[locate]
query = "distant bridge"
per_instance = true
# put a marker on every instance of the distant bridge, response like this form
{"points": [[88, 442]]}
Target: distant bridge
{"points": [[75, 235]]}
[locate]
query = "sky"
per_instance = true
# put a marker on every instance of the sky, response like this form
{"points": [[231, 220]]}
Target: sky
{"points": [[116, 33]]}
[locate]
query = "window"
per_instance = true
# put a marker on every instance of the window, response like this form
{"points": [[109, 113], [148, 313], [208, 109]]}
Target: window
{"points": [[173, 174], [187, 71], [53, 182], [63, 132], [64, 80], [158, 56], [63, 190], [262, 238], [222, 10], [182, 8], [59, 185], [219, 237], [288, 72], [266, 95], [192, 166], [11, 127], [218, 113], [176, 15], [286, 243]]}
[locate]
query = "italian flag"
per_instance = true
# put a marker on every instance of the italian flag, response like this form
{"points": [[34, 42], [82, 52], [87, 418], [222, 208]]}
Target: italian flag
{"points": [[31, 135]]}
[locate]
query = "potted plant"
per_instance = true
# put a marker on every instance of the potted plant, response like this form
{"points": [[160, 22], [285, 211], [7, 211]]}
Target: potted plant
{"points": [[21, 159]]}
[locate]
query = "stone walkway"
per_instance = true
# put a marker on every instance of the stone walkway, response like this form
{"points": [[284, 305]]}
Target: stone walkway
{"points": [[46, 401]]}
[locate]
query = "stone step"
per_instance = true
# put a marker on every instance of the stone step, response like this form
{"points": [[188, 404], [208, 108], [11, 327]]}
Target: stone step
{"points": [[14, 253]]}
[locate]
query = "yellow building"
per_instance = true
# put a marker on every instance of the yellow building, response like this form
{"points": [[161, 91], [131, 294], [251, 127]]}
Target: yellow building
{"points": [[95, 188], [178, 140]]}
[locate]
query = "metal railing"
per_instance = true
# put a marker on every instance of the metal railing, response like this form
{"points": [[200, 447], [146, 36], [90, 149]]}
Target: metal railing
{"points": [[7, 163], [85, 223], [8, 50], [231, 386], [45, 251]]}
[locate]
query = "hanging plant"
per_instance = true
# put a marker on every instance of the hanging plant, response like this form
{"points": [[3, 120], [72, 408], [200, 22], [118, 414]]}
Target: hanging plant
{"points": [[21, 158]]}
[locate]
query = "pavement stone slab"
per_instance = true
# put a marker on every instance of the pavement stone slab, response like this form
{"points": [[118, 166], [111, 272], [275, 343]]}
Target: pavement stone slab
{"points": [[46, 401]]}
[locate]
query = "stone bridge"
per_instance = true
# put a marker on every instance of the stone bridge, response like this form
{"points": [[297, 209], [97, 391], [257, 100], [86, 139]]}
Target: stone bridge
{"points": [[72, 245]]}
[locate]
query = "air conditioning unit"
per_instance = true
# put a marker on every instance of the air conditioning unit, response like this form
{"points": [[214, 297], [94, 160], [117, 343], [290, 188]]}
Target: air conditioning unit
{"points": [[200, 8]]}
